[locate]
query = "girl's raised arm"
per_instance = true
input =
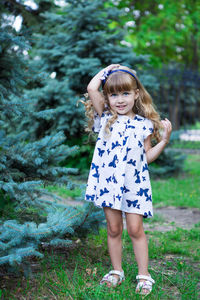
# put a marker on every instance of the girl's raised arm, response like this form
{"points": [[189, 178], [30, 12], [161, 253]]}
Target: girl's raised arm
{"points": [[154, 152], [93, 87]]}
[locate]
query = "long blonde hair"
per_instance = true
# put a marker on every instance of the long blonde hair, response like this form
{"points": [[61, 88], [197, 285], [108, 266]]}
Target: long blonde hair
{"points": [[121, 81]]}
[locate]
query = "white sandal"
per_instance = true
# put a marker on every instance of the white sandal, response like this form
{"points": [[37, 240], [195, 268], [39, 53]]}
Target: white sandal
{"points": [[147, 284], [112, 279]]}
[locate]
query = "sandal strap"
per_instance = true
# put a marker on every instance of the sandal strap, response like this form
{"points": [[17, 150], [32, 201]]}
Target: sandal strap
{"points": [[145, 277], [112, 279], [119, 273]]}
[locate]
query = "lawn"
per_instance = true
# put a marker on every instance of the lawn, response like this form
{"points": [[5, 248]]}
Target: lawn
{"points": [[183, 190], [174, 256], [174, 264]]}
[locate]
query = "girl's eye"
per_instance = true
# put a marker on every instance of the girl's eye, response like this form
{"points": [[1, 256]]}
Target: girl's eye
{"points": [[113, 95], [125, 93]]}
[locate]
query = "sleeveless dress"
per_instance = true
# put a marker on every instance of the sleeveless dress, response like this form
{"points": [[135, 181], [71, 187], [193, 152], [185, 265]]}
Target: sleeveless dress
{"points": [[119, 176]]}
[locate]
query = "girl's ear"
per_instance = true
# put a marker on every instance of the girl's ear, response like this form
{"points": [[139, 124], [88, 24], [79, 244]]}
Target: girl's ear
{"points": [[136, 94]]}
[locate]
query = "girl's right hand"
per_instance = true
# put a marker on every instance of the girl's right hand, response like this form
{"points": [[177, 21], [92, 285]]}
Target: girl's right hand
{"points": [[93, 89], [107, 69], [96, 81]]}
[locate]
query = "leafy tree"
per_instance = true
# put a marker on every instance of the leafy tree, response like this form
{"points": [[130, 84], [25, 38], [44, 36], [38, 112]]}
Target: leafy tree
{"points": [[168, 32]]}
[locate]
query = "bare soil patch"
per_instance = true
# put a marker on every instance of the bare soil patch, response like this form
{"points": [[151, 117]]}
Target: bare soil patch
{"points": [[182, 217]]}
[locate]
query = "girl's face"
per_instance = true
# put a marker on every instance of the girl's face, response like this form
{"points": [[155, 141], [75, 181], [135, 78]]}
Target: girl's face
{"points": [[123, 102]]}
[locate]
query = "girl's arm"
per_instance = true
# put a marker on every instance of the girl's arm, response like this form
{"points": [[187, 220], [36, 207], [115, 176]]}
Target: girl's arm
{"points": [[94, 93], [153, 152]]}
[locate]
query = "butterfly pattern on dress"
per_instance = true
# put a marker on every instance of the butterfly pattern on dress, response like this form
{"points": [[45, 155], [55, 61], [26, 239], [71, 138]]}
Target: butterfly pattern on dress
{"points": [[119, 176]]}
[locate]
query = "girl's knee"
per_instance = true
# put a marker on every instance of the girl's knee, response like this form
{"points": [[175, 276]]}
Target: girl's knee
{"points": [[114, 230], [135, 231]]}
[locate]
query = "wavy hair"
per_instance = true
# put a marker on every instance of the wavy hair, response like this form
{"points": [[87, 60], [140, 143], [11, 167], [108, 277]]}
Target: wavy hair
{"points": [[143, 106]]}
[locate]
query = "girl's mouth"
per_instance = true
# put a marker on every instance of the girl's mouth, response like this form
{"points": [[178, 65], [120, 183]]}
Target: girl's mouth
{"points": [[121, 106]]}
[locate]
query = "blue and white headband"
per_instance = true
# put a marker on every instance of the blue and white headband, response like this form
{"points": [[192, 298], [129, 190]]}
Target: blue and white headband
{"points": [[107, 73]]}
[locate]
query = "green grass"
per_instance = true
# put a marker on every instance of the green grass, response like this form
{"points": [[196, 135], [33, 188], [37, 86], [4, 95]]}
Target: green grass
{"points": [[62, 191], [183, 190], [75, 274], [174, 264], [186, 145]]}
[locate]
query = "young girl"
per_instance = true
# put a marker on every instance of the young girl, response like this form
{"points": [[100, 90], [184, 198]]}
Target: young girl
{"points": [[126, 120]]}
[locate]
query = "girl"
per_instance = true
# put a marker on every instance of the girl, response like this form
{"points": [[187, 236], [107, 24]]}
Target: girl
{"points": [[126, 120]]}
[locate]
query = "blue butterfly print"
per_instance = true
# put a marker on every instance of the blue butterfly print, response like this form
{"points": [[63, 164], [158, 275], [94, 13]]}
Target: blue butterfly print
{"points": [[148, 198], [131, 126], [131, 162], [101, 152], [118, 197], [114, 145], [128, 121], [94, 166], [114, 179], [98, 139], [105, 205], [127, 150], [145, 168], [134, 203], [113, 162], [108, 179], [120, 134], [135, 135], [144, 128], [125, 140], [90, 197], [124, 189], [103, 165], [108, 151], [95, 187], [96, 175], [123, 174], [147, 214], [137, 175], [138, 119], [142, 157], [151, 130], [143, 178], [104, 143], [104, 191], [139, 144], [143, 191]]}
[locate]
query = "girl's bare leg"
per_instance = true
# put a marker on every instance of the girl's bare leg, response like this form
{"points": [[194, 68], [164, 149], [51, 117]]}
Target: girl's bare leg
{"points": [[114, 233], [140, 246]]}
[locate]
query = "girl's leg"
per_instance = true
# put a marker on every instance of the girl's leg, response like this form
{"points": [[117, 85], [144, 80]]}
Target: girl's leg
{"points": [[114, 233], [136, 232]]}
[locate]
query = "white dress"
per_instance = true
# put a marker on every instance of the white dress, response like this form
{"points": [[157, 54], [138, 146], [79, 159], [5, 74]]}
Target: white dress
{"points": [[119, 176]]}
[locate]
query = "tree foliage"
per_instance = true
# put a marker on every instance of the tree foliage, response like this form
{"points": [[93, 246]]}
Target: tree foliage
{"points": [[166, 30]]}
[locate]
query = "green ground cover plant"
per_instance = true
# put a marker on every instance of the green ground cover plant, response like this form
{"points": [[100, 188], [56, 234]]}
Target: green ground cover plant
{"points": [[183, 190], [75, 273], [174, 263], [186, 145]]}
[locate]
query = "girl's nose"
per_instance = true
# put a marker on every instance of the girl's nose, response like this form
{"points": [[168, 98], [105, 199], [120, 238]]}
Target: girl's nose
{"points": [[120, 99]]}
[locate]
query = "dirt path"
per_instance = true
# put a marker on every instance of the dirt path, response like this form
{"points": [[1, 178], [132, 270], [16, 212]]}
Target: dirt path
{"points": [[172, 217]]}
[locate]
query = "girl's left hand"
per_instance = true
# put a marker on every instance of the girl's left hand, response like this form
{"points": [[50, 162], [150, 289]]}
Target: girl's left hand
{"points": [[167, 127]]}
